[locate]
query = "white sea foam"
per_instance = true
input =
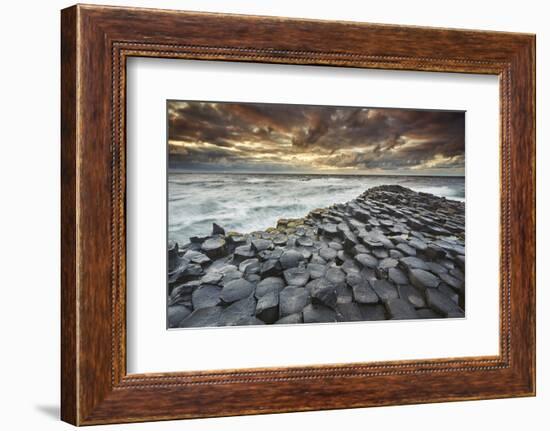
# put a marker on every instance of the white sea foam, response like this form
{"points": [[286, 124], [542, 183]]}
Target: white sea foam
{"points": [[249, 202]]}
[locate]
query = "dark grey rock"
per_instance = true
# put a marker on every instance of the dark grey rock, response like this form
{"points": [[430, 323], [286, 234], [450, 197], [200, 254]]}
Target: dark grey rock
{"points": [[422, 279], [203, 317], [366, 261], [412, 262], [348, 312], [349, 266], [412, 295], [175, 314], [259, 245], [335, 276], [269, 284], [296, 276], [206, 296], [316, 270], [373, 312], [270, 268], [455, 283], [344, 293], [397, 276], [280, 239], [325, 293], [250, 266], [448, 291], [212, 278], [354, 278], [290, 319], [380, 253], [291, 258], [316, 313], [328, 253], [436, 268], [363, 293], [253, 278], [292, 300], [305, 241], [173, 255], [267, 308], [217, 229], [384, 290], [214, 247], [236, 290], [434, 251], [243, 252], [418, 244], [231, 275], [426, 313], [406, 249], [442, 304], [399, 309], [239, 312]]}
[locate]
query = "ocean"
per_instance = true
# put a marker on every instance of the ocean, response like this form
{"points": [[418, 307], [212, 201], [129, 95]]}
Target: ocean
{"points": [[249, 202]]}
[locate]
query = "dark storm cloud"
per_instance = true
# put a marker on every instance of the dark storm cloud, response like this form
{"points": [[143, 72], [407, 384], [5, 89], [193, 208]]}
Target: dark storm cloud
{"points": [[314, 138]]}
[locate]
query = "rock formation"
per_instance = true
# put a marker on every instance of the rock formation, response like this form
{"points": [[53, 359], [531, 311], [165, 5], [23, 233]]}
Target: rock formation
{"points": [[391, 253]]}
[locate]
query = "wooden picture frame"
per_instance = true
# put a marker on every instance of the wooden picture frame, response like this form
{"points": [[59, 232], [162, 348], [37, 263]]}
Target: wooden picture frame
{"points": [[96, 41]]}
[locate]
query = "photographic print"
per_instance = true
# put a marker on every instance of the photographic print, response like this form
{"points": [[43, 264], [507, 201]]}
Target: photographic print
{"points": [[303, 214]]}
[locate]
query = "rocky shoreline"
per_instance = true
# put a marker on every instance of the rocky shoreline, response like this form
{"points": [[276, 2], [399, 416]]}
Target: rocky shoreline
{"points": [[391, 253]]}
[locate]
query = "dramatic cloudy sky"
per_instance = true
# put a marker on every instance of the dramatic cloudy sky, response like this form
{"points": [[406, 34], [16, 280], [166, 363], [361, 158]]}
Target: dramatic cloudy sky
{"points": [[240, 137]]}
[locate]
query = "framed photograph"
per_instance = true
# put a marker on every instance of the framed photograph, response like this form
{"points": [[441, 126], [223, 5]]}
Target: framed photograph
{"points": [[329, 214]]}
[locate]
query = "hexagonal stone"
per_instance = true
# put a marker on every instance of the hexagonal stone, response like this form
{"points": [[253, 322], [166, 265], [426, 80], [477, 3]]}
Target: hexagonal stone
{"points": [[418, 244], [406, 249], [316, 313], [214, 247], [373, 312], [436, 268], [270, 268], [384, 290], [267, 308], [363, 293], [296, 276], [366, 261], [290, 319], [423, 279], [175, 314], [259, 245], [291, 258], [335, 275], [455, 283], [388, 263], [212, 278], [399, 309], [203, 317], [292, 300], [410, 294], [304, 241], [236, 290], [316, 270], [427, 313], [412, 262], [239, 313], [442, 304], [206, 296], [397, 276], [250, 266], [243, 252], [328, 253], [324, 292], [269, 284], [348, 312]]}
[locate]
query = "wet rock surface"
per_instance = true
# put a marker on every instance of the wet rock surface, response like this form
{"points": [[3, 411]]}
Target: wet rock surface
{"points": [[391, 253]]}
